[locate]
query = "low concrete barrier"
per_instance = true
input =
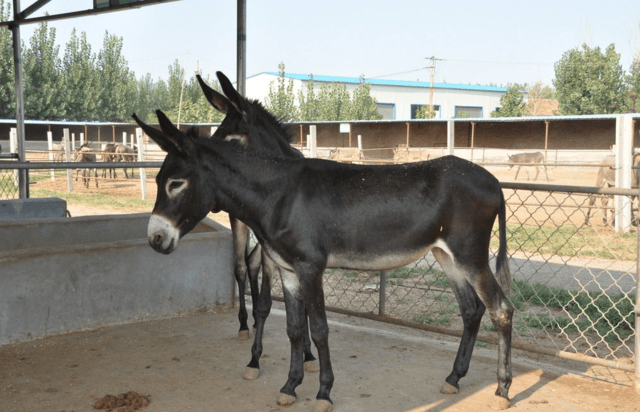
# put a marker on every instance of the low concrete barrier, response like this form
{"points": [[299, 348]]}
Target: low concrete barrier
{"points": [[64, 275]]}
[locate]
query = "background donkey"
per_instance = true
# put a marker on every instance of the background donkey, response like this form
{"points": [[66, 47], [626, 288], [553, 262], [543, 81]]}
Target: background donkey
{"points": [[535, 159], [606, 178]]}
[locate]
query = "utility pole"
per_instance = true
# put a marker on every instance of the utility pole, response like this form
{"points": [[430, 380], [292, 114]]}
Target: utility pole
{"points": [[432, 69]]}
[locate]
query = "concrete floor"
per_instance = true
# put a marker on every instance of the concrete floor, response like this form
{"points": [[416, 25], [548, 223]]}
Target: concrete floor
{"points": [[195, 363]]}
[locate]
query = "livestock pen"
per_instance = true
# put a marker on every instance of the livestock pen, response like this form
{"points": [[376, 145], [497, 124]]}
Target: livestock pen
{"points": [[575, 287]]}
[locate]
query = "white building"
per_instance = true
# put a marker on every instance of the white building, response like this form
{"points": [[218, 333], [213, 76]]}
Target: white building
{"points": [[398, 99]]}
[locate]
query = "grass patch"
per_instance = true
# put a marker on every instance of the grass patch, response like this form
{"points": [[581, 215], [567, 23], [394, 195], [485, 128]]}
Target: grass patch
{"points": [[611, 317], [582, 242], [96, 199]]}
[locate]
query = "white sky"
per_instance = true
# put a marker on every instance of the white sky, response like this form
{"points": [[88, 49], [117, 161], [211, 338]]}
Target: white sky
{"points": [[480, 42]]}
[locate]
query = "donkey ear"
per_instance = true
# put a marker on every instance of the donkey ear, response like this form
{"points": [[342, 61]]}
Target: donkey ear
{"points": [[216, 99], [232, 94], [157, 136]]}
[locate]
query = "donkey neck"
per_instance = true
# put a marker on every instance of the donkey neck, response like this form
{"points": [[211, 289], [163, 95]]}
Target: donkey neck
{"points": [[247, 185]]}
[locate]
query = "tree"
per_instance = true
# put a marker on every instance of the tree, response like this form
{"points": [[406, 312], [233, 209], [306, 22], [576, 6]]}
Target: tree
{"points": [[363, 106], [588, 81], [309, 105], [281, 100], [43, 93], [511, 103], [425, 112], [537, 94], [115, 81], [632, 81], [80, 79]]}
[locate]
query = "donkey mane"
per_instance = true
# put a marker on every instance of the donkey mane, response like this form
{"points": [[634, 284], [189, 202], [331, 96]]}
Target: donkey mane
{"points": [[260, 112], [232, 145]]}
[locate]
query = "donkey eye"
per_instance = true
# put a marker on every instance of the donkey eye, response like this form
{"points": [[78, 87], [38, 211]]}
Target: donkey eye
{"points": [[175, 185]]}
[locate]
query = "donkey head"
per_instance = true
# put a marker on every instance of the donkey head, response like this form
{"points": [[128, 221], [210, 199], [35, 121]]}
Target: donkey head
{"points": [[179, 205], [248, 121]]}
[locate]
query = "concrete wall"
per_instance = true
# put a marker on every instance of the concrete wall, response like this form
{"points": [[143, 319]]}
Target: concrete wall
{"points": [[63, 275]]}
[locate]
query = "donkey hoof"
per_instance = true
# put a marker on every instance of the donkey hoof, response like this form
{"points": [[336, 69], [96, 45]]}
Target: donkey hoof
{"points": [[323, 405], [285, 399], [448, 389], [499, 403], [243, 335], [311, 366], [251, 374]]}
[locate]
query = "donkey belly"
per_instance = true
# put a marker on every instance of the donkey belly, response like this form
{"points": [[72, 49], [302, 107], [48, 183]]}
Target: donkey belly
{"points": [[382, 260]]}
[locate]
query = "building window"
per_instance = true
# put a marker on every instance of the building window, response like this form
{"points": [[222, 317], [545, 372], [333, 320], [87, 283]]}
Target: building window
{"points": [[387, 111], [468, 112], [416, 107]]}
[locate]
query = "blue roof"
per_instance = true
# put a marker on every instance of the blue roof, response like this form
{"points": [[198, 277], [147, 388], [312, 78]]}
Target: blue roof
{"points": [[381, 82]]}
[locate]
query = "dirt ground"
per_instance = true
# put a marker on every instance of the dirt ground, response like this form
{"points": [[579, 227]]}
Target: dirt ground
{"points": [[195, 363]]}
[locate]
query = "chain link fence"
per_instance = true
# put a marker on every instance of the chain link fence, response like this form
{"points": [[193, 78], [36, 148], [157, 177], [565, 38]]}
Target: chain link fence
{"points": [[574, 285], [9, 184]]}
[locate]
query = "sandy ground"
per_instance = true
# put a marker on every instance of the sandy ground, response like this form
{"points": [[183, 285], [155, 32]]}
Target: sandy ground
{"points": [[195, 363]]}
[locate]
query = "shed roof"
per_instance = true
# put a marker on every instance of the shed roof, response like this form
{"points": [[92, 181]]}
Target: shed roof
{"points": [[384, 82]]}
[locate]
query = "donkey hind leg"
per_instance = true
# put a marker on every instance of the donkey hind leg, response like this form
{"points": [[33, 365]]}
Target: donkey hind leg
{"points": [[261, 305], [296, 305], [240, 234], [474, 292]]}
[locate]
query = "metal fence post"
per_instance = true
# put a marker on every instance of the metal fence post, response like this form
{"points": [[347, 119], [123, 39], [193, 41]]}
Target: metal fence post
{"points": [[383, 292], [637, 313], [143, 172], [50, 146], [67, 153]]}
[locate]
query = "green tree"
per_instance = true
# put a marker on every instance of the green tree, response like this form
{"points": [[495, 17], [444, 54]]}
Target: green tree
{"points": [[632, 80], [115, 81], [588, 81], [7, 76], [43, 92], [363, 106], [511, 103], [425, 112], [281, 99], [334, 102], [80, 79], [309, 106]]}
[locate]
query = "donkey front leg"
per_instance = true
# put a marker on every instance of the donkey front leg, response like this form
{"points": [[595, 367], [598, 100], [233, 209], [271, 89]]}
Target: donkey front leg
{"points": [[304, 296], [296, 325]]}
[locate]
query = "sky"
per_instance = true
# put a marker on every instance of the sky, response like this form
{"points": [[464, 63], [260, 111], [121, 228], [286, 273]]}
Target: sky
{"points": [[487, 42]]}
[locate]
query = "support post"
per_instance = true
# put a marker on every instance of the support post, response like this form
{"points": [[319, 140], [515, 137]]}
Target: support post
{"points": [[473, 132], [23, 185], [313, 143], [50, 145], [408, 134], [546, 139], [67, 155], [451, 136], [143, 173], [241, 57], [624, 148], [13, 148]]}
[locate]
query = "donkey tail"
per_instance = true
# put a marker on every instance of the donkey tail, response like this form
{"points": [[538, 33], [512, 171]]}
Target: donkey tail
{"points": [[503, 274]]}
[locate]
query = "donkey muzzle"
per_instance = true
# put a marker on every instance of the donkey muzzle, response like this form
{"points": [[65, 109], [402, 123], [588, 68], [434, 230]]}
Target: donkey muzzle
{"points": [[162, 234]]}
